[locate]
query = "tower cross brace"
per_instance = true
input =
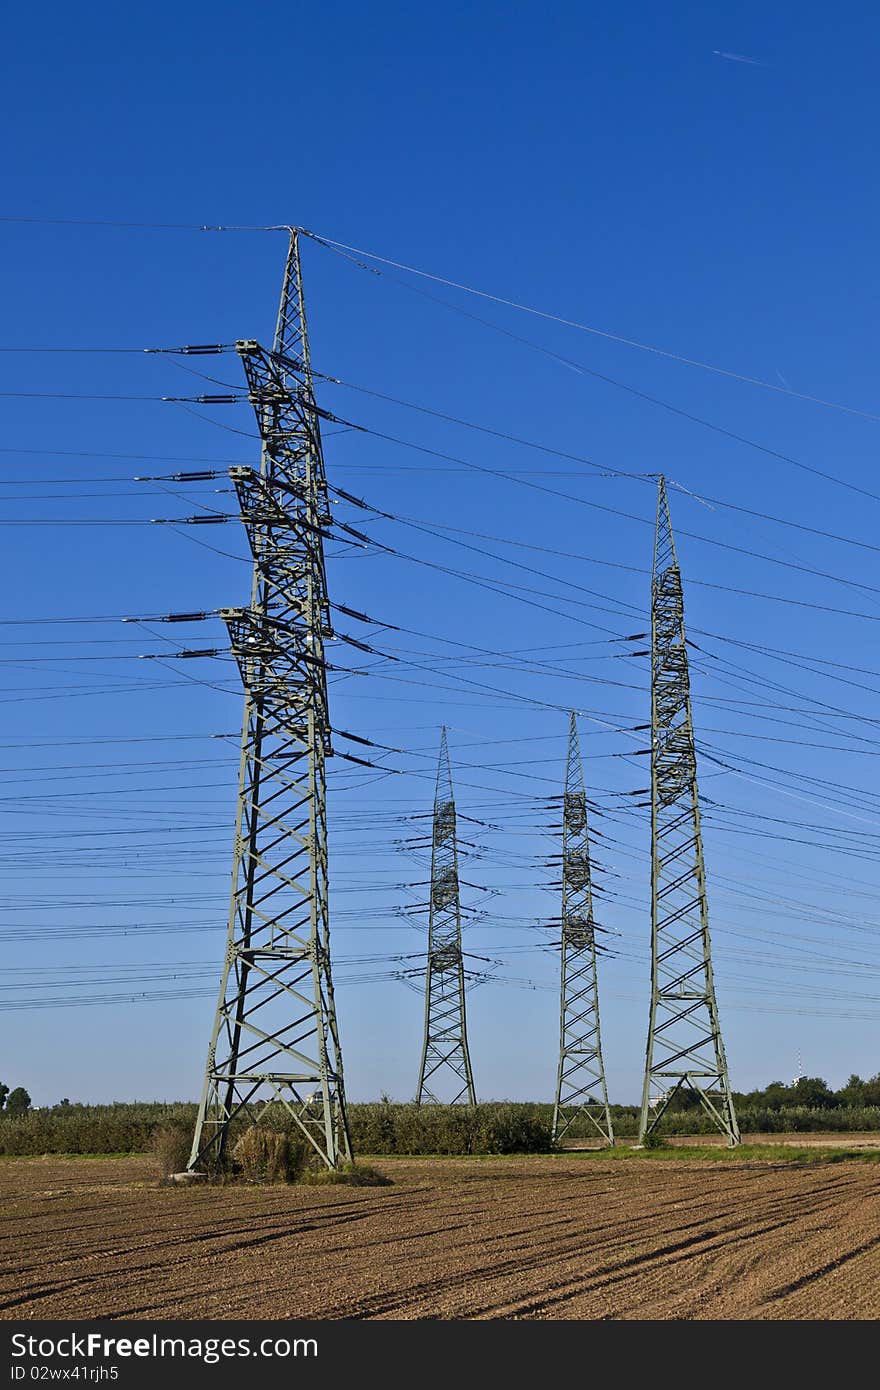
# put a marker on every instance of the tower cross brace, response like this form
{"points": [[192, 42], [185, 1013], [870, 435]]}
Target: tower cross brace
{"points": [[580, 1081], [445, 1054], [275, 1039], [685, 1049]]}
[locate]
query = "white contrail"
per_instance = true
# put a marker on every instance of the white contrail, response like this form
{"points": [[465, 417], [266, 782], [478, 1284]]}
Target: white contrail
{"points": [[739, 58]]}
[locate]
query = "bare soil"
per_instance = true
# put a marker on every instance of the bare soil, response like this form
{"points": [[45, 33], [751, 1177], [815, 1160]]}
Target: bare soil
{"points": [[850, 1139], [869, 1139], [534, 1237]]}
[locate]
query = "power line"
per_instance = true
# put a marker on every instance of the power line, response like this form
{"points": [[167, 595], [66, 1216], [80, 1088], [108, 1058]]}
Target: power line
{"points": [[583, 370], [335, 245], [615, 511], [146, 226], [778, 389]]}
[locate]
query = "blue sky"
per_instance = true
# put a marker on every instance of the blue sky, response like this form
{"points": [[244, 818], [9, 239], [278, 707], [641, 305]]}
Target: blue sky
{"points": [[611, 169]]}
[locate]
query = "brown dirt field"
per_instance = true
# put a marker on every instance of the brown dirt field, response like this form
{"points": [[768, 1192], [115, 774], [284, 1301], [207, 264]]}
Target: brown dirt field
{"points": [[848, 1139], [528, 1237], [870, 1139]]}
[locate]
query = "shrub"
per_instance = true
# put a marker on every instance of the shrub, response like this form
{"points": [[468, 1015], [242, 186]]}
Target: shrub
{"points": [[172, 1145], [654, 1140], [90, 1129], [439, 1129], [268, 1155], [511, 1129], [494, 1128], [382, 1127], [374, 1126]]}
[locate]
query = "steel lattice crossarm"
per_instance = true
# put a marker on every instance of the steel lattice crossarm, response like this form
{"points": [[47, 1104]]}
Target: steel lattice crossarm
{"points": [[580, 1082], [275, 1038], [685, 1048], [445, 1057]]}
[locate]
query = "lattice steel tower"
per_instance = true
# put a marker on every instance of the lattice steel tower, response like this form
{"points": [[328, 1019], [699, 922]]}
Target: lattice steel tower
{"points": [[685, 1048], [445, 1053], [580, 1080], [275, 1036]]}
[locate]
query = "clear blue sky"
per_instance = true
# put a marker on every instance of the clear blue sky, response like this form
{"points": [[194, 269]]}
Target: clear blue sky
{"points": [[612, 168]]}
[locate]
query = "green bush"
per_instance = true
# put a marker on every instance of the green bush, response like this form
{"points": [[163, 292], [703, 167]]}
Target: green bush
{"points": [[382, 1127], [349, 1175], [512, 1129], [374, 1127], [90, 1129], [494, 1128]]}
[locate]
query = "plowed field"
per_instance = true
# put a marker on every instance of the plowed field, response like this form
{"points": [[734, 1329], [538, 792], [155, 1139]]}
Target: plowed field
{"points": [[527, 1237]]}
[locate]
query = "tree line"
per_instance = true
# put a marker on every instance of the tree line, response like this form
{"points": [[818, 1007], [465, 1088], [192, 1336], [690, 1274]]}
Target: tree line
{"points": [[16, 1102], [810, 1092]]}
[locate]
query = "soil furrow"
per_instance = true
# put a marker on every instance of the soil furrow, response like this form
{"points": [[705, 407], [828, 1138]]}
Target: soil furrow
{"points": [[555, 1237]]}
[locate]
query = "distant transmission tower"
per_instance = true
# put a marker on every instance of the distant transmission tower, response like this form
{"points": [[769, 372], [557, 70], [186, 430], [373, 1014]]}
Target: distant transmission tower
{"points": [[274, 1037], [685, 1049], [580, 1081], [445, 1053]]}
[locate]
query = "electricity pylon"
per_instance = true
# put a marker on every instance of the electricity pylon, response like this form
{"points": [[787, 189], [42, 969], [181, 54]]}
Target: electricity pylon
{"points": [[275, 1037], [445, 1051], [685, 1049], [580, 1080]]}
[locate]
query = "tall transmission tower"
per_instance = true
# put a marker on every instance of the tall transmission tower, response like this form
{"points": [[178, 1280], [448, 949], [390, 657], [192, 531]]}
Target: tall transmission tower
{"points": [[274, 1037], [580, 1080], [445, 1052], [685, 1048]]}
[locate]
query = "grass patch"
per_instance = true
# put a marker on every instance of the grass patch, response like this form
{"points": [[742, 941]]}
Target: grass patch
{"points": [[743, 1153], [350, 1175], [38, 1158]]}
